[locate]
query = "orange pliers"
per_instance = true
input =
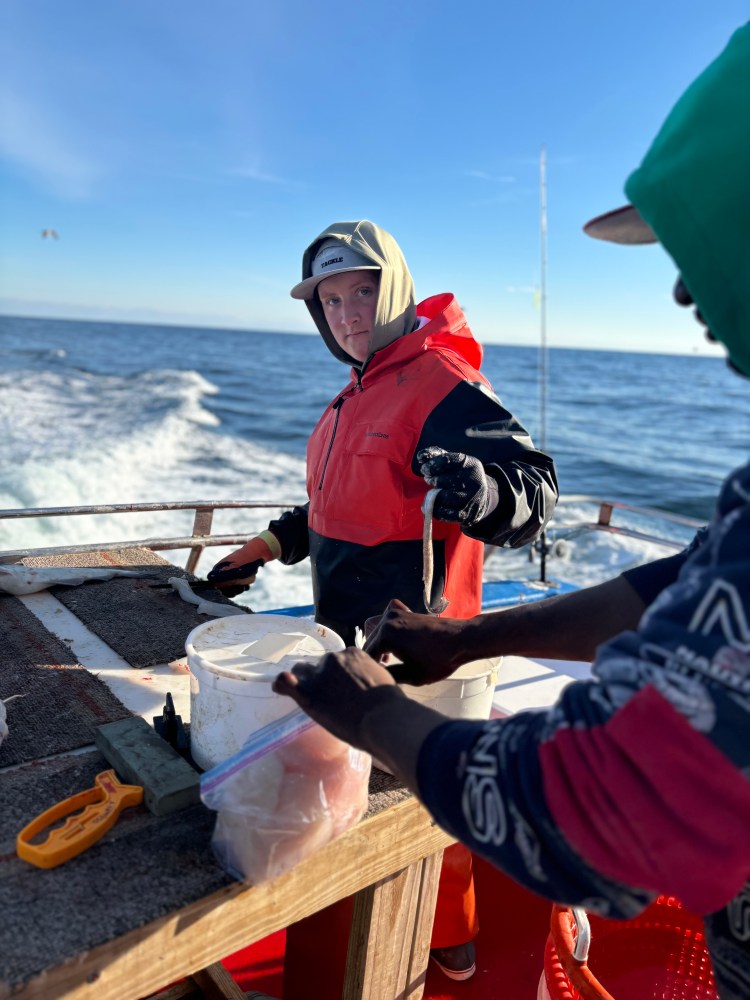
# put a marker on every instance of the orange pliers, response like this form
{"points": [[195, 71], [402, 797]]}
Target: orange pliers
{"points": [[101, 806]]}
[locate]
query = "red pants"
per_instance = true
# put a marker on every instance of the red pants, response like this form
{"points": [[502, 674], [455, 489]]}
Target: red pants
{"points": [[456, 919], [316, 947]]}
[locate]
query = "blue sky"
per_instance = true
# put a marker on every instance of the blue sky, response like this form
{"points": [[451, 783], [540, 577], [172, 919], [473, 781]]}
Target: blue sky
{"points": [[186, 152]]}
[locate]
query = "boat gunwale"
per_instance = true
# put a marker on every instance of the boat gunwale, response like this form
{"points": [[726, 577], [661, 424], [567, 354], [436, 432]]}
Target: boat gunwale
{"points": [[202, 536]]}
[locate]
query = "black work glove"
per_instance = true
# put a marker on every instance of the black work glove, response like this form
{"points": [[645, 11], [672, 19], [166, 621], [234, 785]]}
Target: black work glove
{"points": [[467, 493], [224, 572]]}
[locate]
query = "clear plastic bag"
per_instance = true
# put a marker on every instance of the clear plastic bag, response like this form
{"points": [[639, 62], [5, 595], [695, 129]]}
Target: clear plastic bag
{"points": [[289, 791]]}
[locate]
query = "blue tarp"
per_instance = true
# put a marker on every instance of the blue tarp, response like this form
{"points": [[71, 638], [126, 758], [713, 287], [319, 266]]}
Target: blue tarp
{"points": [[495, 594]]}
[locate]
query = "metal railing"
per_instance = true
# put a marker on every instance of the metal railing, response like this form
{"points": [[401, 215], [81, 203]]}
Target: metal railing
{"points": [[606, 511], [200, 538]]}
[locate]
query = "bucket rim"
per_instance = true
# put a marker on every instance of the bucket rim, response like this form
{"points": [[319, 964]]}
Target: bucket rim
{"points": [[239, 620], [201, 657]]}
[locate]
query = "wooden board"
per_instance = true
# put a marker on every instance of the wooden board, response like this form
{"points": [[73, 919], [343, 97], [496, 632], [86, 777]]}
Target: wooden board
{"points": [[148, 905], [192, 938]]}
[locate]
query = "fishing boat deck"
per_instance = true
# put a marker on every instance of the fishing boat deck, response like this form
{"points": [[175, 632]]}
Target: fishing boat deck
{"points": [[148, 904]]}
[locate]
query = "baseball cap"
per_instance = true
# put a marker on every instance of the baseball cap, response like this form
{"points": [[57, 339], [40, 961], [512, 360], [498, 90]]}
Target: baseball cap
{"points": [[332, 257], [624, 225]]}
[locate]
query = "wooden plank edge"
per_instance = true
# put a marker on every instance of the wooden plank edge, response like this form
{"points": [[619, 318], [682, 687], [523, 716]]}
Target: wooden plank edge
{"points": [[201, 933]]}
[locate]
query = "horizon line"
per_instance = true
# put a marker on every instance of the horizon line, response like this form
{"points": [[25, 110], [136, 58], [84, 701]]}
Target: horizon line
{"points": [[173, 325]]}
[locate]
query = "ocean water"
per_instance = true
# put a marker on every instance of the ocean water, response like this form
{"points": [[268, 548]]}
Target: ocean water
{"points": [[96, 413]]}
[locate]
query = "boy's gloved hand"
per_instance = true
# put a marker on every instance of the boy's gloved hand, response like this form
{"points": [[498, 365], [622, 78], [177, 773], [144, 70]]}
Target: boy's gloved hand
{"points": [[238, 571], [467, 493]]}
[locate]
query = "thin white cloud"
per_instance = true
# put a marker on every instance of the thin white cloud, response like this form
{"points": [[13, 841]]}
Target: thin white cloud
{"points": [[254, 173], [482, 175], [511, 196], [30, 139], [562, 160]]}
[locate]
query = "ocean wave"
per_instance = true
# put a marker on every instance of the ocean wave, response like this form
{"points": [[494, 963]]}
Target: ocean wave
{"points": [[79, 439], [94, 413]]}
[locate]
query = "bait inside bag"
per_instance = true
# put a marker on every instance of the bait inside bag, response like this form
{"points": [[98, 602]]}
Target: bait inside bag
{"points": [[290, 790]]}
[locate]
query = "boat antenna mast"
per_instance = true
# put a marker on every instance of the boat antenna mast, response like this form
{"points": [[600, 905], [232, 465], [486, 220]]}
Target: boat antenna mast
{"points": [[541, 544]]}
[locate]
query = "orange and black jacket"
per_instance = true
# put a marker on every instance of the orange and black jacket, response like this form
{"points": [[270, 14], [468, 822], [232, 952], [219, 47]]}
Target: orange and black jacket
{"points": [[363, 525]]}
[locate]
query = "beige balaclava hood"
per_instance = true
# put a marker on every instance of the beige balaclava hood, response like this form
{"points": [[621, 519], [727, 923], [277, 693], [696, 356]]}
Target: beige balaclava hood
{"points": [[395, 313]]}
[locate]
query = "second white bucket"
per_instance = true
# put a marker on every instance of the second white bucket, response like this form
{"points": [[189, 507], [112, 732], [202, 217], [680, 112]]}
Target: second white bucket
{"points": [[466, 694], [233, 662]]}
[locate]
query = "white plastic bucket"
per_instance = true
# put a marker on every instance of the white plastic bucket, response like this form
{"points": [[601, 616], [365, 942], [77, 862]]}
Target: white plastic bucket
{"points": [[233, 662], [466, 694]]}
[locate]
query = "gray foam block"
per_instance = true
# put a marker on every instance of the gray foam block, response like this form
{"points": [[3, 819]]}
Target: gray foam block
{"points": [[141, 757]]}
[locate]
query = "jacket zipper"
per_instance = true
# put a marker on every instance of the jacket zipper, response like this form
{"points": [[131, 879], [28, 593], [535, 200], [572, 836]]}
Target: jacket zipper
{"points": [[337, 407]]}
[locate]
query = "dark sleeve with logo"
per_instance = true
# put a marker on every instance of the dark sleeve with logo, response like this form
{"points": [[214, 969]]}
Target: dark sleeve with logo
{"points": [[635, 782], [291, 531], [527, 484], [484, 784]]}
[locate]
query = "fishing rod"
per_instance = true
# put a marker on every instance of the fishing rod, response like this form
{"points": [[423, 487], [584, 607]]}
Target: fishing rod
{"points": [[542, 542], [490, 429]]}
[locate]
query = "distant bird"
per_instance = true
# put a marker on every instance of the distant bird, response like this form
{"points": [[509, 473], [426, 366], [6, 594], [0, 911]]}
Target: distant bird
{"points": [[50, 234]]}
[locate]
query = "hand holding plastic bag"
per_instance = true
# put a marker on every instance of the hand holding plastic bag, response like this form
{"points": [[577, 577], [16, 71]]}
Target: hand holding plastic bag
{"points": [[289, 791]]}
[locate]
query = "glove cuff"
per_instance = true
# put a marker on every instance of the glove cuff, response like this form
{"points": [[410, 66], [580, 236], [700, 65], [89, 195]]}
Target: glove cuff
{"points": [[492, 499], [272, 542]]}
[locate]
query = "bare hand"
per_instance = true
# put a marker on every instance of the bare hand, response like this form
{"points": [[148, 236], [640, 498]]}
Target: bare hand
{"points": [[429, 648], [339, 690]]}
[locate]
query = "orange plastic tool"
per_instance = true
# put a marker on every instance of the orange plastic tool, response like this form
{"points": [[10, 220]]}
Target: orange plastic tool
{"points": [[101, 806]]}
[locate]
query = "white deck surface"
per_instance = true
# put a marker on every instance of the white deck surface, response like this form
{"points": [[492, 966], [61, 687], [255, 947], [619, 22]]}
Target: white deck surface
{"points": [[143, 691], [522, 683]]}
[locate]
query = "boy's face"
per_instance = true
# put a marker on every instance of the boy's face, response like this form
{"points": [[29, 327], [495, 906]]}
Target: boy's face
{"points": [[349, 302]]}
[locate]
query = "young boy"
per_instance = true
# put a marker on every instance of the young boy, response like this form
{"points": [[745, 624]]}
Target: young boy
{"points": [[396, 428]]}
